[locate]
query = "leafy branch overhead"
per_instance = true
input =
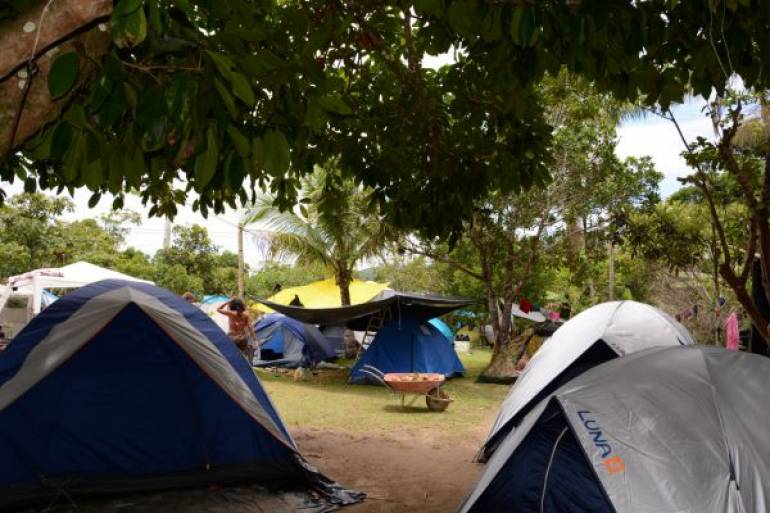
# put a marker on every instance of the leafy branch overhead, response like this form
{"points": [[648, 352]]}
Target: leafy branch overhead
{"points": [[225, 97]]}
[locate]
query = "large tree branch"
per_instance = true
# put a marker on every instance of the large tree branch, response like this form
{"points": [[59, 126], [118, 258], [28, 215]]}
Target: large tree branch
{"points": [[725, 150], [445, 260], [67, 25], [750, 252], [762, 225], [702, 183]]}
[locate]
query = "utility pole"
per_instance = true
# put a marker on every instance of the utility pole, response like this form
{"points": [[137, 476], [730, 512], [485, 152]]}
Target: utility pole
{"points": [[167, 233], [241, 290], [611, 277]]}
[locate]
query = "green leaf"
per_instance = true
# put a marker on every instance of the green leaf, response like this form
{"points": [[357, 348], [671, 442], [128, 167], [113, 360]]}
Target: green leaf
{"points": [[30, 185], [223, 63], [40, 147], [76, 116], [156, 25], [92, 173], [492, 26], [64, 74], [60, 143], [257, 154], [461, 16], [335, 104], [135, 167], [528, 27], [206, 163], [117, 168], [129, 31], [94, 200], [277, 153], [227, 98], [242, 88], [125, 7], [315, 117], [240, 142], [235, 172], [74, 157], [131, 96], [516, 20], [430, 7]]}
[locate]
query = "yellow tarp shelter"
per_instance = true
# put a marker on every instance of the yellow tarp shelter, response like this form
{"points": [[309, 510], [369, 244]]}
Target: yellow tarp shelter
{"points": [[326, 294]]}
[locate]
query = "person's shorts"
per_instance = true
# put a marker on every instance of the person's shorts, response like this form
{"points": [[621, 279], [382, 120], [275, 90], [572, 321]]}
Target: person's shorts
{"points": [[241, 343]]}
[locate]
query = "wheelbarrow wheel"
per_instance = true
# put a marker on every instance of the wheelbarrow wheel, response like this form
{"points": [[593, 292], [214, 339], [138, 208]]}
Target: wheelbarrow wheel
{"points": [[437, 400]]}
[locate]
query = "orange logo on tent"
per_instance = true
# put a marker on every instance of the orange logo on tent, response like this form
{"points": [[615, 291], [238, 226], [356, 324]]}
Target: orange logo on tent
{"points": [[614, 465]]}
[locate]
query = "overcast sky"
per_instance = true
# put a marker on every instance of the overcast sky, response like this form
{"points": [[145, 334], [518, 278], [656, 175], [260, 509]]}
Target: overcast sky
{"points": [[658, 138], [645, 136]]}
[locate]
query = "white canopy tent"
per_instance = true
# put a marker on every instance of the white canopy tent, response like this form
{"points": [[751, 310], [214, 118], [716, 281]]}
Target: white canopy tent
{"points": [[30, 285]]}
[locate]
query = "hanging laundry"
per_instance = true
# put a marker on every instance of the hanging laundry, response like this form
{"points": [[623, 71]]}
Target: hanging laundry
{"points": [[733, 332]]}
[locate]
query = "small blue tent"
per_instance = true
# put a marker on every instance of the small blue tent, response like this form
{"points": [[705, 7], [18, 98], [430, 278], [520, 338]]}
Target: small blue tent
{"points": [[443, 328], [122, 386], [409, 345], [289, 343]]}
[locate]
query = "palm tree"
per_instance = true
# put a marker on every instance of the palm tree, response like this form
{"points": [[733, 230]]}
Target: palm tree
{"points": [[336, 226]]}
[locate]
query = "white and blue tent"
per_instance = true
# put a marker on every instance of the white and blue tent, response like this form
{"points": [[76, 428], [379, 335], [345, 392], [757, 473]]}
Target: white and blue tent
{"points": [[665, 429], [603, 332], [122, 386]]}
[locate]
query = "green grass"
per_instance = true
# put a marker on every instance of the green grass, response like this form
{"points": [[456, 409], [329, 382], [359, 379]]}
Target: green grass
{"points": [[326, 401]]}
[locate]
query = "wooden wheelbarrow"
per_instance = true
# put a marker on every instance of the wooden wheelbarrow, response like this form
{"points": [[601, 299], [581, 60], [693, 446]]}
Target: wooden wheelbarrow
{"points": [[417, 384]]}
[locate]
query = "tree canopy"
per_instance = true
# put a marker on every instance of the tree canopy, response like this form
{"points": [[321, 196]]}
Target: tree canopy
{"points": [[221, 97]]}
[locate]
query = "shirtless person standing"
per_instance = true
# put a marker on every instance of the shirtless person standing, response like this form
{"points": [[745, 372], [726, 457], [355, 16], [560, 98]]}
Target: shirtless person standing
{"points": [[240, 328]]}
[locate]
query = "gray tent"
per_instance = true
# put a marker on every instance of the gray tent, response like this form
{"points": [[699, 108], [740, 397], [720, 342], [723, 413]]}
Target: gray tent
{"points": [[668, 429]]}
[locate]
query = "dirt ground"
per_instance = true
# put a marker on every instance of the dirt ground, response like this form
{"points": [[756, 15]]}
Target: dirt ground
{"points": [[407, 471]]}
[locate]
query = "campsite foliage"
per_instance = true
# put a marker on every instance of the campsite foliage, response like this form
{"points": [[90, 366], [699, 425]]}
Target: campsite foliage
{"points": [[232, 95]]}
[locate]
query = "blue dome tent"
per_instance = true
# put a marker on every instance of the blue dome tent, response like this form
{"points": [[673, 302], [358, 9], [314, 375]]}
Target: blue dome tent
{"points": [[409, 345], [443, 328], [289, 343], [122, 386]]}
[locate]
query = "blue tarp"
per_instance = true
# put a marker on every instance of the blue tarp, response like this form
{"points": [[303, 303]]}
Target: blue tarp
{"points": [[409, 345], [289, 343], [130, 409], [47, 298], [217, 298]]}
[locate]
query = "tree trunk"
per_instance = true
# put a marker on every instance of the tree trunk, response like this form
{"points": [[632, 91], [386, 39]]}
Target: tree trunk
{"points": [[494, 318], [502, 367], [575, 238], [343, 278], [611, 273], [67, 25]]}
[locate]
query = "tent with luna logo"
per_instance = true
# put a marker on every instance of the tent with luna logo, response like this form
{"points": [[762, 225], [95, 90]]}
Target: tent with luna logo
{"points": [[600, 333], [662, 430]]}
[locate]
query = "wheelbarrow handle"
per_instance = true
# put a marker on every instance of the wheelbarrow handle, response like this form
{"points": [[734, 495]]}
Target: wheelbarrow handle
{"points": [[377, 374]]}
